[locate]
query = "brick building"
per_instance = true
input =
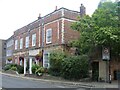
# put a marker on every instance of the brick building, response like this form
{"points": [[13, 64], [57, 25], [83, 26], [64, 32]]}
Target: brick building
{"points": [[48, 33]]}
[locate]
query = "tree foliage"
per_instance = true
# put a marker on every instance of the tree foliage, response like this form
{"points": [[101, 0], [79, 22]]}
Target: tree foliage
{"points": [[75, 67], [56, 58], [102, 29]]}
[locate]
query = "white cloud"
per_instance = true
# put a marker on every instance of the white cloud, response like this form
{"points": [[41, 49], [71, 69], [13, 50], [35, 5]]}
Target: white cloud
{"points": [[18, 13]]}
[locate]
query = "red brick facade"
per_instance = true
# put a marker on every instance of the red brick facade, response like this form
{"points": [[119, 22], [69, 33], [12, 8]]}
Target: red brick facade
{"points": [[59, 21]]}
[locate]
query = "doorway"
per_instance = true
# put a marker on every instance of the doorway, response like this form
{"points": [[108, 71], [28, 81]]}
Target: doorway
{"points": [[95, 71]]}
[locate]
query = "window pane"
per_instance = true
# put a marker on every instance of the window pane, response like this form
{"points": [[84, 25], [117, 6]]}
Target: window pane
{"points": [[16, 44], [33, 39], [21, 43], [48, 36], [45, 65], [27, 42]]}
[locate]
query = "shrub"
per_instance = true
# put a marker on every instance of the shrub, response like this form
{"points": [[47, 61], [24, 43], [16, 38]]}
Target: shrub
{"points": [[39, 71], [13, 68], [55, 62], [75, 67], [13, 65], [9, 59], [7, 67], [20, 69], [34, 68]]}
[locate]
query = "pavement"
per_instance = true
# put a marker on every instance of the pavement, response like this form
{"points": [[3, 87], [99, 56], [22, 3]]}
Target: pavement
{"points": [[114, 84]]}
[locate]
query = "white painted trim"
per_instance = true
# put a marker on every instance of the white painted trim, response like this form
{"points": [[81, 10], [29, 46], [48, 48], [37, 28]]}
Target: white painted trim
{"points": [[20, 53], [30, 65], [21, 43], [16, 44], [34, 36], [62, 12], [59, 20], [47, 34], [70, 20], [39, 35], [27, 38], [25, 65], [58, 29], [33, 52], [62, 30], [52, 22]]}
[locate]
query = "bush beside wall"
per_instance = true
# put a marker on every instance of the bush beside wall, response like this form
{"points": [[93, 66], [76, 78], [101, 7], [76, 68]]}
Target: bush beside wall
{"points": [[75, 67]]}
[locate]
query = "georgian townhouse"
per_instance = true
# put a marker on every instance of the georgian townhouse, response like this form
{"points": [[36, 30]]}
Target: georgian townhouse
{"points": [[9, 50], [47, 33], [34, 42]]}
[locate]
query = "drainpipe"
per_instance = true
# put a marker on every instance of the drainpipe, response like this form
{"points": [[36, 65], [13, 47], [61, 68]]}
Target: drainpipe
{"points": [[42, 39]]}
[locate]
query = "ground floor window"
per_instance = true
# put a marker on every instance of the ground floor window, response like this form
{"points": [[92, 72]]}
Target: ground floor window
{"points": [[46, 60], [21, 62]]}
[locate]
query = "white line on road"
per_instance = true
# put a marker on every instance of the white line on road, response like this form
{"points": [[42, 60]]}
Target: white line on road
{"points": [[60, 86]]}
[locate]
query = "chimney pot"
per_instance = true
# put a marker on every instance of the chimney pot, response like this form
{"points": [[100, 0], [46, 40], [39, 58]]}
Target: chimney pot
{"points": [[55, 7], [39, 17]]}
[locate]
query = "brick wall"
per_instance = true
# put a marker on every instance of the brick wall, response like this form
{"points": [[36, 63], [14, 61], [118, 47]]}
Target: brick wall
{"points": [[73, 15], [53, 21], [56, 32], [69, 33]]}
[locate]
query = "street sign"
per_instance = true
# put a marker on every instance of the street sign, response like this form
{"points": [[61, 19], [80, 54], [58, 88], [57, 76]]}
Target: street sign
{"points": [[105, 53]]}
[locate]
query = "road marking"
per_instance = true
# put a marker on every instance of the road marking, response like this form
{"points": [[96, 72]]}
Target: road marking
{"points": [[60, 86]]}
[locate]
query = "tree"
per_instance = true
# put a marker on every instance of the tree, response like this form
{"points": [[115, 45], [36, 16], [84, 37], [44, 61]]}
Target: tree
{"points": [[101, 29], [75, 67], [108, 33], [56, 58]]}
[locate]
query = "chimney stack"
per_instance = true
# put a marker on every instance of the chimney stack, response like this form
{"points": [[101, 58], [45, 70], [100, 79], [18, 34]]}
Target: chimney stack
{"points": [[55, 8], [82, 10], [39, 17]]}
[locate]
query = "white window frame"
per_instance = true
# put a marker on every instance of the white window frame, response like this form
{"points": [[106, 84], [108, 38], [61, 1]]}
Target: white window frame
{"points": [[10, 43], [16, 44], [21, 43], [8, 52], [34, 39], [27, 42], [46, 63], [48, 37]]}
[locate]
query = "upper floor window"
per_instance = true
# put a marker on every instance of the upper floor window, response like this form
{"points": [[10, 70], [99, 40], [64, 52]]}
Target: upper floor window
{"points": [[27, 42], [49, 36], [34, 40], [16, 44], [10, 43], [9, 52], [21, 43]]}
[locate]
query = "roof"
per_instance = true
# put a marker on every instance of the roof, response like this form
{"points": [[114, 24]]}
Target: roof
{"points": [[37, 22]]}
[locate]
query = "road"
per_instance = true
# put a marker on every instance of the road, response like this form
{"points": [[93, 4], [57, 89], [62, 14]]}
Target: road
{"points": [[14, 82]]}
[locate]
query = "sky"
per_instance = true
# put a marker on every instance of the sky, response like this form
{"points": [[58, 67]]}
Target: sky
{"points": [[15, 14]]}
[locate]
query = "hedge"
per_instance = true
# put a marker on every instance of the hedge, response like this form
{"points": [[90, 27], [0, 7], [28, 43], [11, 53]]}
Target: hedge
{"points": [[75, 67]]}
